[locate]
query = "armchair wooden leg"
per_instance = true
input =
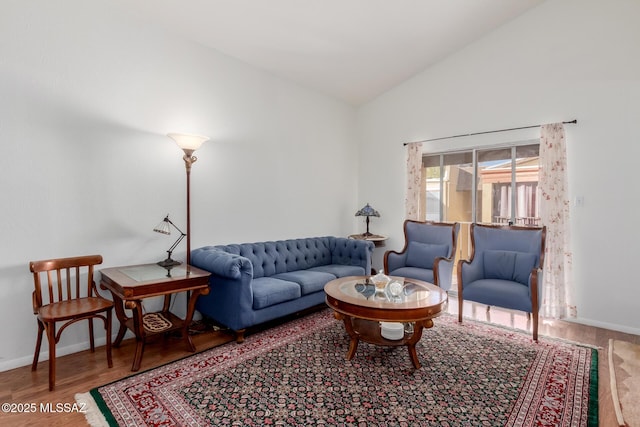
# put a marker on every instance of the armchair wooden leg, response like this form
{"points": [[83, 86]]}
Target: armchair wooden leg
{"points": [[91, 340], [36, 355], [108, 338], [535, 326], [51, 336], [460, 304]]}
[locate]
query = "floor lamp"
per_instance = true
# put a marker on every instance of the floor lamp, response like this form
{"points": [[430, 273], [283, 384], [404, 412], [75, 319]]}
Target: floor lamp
{"points": [[188, 143]]}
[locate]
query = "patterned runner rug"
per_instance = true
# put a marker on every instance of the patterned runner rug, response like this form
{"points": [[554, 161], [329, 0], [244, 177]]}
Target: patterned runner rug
{"points": [[296, 375]]}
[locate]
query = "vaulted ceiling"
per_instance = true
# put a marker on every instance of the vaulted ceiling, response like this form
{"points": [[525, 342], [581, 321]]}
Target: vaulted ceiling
{"points": [[353, 50]]}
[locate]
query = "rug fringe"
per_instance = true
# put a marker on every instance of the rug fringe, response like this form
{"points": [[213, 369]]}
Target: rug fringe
{"points": [[92, 414], [614, 387]]}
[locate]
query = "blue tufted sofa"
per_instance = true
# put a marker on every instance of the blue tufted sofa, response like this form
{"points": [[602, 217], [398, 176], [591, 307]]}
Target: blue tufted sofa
{"points": [[252, 283]]}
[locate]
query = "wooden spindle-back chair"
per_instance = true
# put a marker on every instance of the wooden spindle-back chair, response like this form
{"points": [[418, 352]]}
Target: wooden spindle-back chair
{"points": [[66, 292]]}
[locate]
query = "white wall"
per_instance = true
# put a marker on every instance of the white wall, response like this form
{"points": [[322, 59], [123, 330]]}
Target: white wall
{"points": [[565, 59], [87, 95]]}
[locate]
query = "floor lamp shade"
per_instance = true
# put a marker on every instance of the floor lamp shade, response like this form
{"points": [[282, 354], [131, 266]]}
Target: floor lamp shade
{"points": [[188, 142]]}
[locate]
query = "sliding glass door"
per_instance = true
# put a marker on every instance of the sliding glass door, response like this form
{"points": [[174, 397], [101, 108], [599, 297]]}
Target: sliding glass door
{"points": [[491, 185], [449, 192]]}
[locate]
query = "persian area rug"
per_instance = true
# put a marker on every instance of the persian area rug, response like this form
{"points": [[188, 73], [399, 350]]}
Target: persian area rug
{"points": [[296, 374], [624, 371]]}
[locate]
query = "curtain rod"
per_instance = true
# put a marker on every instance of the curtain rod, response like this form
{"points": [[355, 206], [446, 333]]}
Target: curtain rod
{"points": [[574, 121]]}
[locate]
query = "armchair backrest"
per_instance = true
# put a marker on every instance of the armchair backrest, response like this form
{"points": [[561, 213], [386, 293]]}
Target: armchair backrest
{"points": [[508, 252], [427, 240], [63, 279]]}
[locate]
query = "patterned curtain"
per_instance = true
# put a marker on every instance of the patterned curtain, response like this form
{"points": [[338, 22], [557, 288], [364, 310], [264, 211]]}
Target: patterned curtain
{"points": [[557, 296], [414, 180]]}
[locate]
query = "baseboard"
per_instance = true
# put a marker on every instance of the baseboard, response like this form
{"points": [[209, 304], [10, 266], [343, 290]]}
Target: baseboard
{"points": [[605, 325], [60, 351]]}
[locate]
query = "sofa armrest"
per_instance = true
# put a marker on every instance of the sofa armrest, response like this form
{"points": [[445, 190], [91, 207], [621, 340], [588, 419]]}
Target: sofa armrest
{"points": [[352, 252], [221, 263], [230, 297]]}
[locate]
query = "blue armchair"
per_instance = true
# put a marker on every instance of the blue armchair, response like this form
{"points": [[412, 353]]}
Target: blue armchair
{"points": [[428, 253], [505, 269]]}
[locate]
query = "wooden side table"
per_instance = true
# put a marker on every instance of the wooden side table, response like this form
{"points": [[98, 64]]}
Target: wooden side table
{"points": [[375, 238], [129, 285]]}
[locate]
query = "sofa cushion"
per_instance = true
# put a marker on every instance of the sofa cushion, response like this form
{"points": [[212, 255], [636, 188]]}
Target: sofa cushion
{"points": [[422, 255], [309, 281], [340, 270], [508, 265], [268, 291]]}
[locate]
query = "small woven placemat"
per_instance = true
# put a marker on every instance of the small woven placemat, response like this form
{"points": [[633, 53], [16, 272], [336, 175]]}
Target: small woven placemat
{"points": [[155, 322]]}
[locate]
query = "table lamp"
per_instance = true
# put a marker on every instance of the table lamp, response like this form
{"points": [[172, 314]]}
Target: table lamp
{"points": [[164, 228], [367, 211]]}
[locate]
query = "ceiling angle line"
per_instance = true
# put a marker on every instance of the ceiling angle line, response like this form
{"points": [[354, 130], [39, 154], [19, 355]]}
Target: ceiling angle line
{"points": [[574, 121]]}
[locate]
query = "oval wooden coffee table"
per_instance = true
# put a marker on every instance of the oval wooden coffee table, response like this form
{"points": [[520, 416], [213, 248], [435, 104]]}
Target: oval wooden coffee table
{"points": [[356, 303]]}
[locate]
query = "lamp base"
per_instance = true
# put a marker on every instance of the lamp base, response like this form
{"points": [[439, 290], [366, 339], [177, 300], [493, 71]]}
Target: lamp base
{"points": [[168, 263]]}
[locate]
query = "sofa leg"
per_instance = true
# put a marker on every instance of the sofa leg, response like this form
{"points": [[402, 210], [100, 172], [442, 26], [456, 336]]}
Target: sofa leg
{"points": [[240, 336]]}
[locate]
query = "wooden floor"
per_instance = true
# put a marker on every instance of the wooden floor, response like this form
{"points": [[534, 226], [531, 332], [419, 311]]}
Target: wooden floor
{"points": [[83, 371]]}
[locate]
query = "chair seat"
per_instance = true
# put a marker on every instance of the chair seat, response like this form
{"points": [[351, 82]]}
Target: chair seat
{"points": [[499, 293], [65, 310]]}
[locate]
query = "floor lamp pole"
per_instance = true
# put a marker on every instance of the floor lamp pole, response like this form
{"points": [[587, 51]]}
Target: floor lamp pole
{"points": [[188, 143], [188, 167]]}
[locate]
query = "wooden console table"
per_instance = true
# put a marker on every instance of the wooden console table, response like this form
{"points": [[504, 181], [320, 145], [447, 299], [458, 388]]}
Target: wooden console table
{"points": [[129, 285]]}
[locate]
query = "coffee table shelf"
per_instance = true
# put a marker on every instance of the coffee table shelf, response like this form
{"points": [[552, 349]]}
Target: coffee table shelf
{"points": [[370, 331]]}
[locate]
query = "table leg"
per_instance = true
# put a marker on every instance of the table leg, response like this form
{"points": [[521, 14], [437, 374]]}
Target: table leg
{"points": [[138, 329], [411, 343], [122, 318], [187, 320], [355, 338], [121, 331]]}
